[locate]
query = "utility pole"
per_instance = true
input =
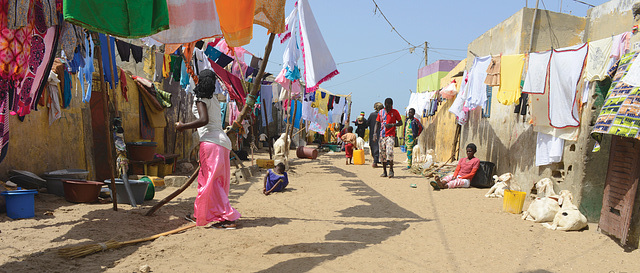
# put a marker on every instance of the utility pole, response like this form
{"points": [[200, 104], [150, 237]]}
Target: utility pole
{"points": [[426, 53]]}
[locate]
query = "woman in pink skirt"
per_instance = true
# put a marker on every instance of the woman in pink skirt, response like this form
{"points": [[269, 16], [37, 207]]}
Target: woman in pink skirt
{"points": [[212, 202], [465, 171]]}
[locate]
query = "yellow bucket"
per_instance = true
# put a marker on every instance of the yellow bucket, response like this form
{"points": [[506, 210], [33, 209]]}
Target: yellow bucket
{"points": [[152, 170], [513, 201], [265, 163]]}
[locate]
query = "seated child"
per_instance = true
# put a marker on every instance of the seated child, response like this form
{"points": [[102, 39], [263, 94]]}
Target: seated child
{"points": [[275, 180], [349, 143], [465, 171]]}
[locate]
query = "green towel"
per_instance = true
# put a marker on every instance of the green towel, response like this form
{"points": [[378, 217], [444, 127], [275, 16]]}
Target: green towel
{"points": [[127, 19]]}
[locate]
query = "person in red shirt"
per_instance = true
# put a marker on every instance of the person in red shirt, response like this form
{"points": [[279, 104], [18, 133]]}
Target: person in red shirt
{"points": [[389, 119], [465, 171]]}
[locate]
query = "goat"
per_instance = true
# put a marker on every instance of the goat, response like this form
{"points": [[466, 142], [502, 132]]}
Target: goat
{"points": [[543, 209], [360, 143], [568, 217], [502, 183], [281, 153]]}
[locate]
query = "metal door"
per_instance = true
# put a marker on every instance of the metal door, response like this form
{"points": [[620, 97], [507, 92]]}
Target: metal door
{"points": [[620, 187]]}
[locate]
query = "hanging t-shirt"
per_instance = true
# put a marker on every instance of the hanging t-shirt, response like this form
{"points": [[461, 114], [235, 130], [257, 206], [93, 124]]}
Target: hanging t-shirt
{"points": [[477, 95], [565, 69], [598, 59], [388, 118]]}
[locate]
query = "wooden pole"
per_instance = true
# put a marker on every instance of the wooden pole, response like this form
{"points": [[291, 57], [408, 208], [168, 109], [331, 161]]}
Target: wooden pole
{"points": [[174, 194], [110, 146]]}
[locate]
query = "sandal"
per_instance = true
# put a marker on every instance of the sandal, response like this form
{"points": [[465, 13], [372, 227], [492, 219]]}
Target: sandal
{"points": [[384, 174], [225, 225], [391, 174], [435, 185], [190, 218]]}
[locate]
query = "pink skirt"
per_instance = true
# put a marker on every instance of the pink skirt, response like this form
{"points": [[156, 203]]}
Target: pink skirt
{"points": [[212, 202]]}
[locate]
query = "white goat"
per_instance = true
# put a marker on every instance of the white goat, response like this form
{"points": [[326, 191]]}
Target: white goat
{"points": [[543, 209], [281, 153], [360, 143], [568, 217], [502, 183]]}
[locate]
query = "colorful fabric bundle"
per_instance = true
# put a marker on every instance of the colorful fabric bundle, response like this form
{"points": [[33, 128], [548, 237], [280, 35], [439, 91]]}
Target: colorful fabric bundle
{"points": [[189, 21]]}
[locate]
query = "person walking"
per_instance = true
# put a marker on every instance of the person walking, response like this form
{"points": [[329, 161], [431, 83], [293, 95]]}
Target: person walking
{"points": [[373, 145], [388, 118], [412, 131], [361, 125], [212, 200]]}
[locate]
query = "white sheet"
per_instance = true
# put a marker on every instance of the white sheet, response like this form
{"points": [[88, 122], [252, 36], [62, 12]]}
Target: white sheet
{"points": [[477, 90], [534, 81], [548, 149], [564, 73]]}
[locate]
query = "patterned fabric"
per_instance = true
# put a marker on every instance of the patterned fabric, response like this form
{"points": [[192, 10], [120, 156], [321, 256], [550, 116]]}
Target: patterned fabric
{"points": [[456, 183], [410, 142], [72, 37], [620, 114], [18, 13], [386, 148], [270, 14]]}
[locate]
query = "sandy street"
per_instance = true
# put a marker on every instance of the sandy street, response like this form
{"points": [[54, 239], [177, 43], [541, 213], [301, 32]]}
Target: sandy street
{"points": [[333, 218]]}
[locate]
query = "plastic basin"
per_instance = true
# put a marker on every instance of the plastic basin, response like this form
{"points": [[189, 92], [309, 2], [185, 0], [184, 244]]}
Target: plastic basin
{"points": [[54, 179], [81, 191], [138, 188], [20, 203], [141, 151]]}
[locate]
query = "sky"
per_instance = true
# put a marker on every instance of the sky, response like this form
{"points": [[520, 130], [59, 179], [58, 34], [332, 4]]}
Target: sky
{"points": [[354, 29]]}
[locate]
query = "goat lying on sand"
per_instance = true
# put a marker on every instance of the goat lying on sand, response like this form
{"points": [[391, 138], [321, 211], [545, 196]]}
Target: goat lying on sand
{"points": [[568, 217], [502, 183], [543, 209]]}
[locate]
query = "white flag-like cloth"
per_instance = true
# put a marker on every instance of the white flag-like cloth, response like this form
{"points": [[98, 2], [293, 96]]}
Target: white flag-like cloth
{"points": [[319, 65]]}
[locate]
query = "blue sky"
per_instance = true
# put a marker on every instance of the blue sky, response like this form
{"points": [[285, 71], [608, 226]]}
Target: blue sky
{"points": [[352, 30]]}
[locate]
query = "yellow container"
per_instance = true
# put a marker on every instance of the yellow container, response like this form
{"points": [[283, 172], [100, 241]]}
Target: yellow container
{"points": [[265, 163], [165, 169], [157, 181], [358, 157], [513, 201], [152, 170]]}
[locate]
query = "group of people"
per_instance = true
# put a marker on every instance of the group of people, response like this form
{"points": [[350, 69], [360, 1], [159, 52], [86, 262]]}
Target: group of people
{"points": [[212, 200]]}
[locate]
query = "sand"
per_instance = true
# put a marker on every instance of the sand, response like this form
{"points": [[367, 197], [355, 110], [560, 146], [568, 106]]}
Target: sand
{"points": [[333, 218]]}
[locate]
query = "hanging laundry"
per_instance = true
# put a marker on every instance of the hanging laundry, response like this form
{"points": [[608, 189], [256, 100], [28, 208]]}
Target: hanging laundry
{"points": [[224, 60], [85, 74], [290, 22], [184, 76], [54, 102], [457, 107], [620, 45], [523, 102], [493, 72], [535, 79], [549, 149], [166, 66], [255, 62], [511, 76], [176, 67], [128, 19], [618, 115], [632, 75], [72, 37], [66, 95], [232, 83], [477, 88], [123, 85], [202, 61], [270, 14], [153, 109], [146, 130], [50, 12], [598, 59], [330, 102], [190, 21], [319, 65], [109, 68], [297, 114], [236, 20], [136, 52], [150, 42], [212, 53], [565, 70], [266, 99], [124, 50], [322, 99], [159, 65], [76, 63], [339, 109], [150, 63], [17, 13]]}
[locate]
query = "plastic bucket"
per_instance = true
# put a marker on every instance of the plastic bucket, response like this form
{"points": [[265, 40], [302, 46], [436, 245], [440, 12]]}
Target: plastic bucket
{"points": [[152, 170], [20, 203], [513, 201], [306, 152], [138, 187], [141, 151]]}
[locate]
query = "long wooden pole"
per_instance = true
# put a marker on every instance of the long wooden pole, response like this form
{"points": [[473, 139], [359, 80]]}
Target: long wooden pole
{"points": [[174, 194], [110, 146]]}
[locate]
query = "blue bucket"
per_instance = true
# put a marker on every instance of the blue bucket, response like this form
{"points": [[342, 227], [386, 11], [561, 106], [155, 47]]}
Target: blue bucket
{"points": [[403, 148], [20, 203]]}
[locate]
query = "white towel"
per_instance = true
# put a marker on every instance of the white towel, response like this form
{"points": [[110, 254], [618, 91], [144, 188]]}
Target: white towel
{"points": [[477, 89], [289, 25], [319, 65], [548, 149], [535, 79], [189, 21], [598, 59], [564, 73], [633, 74]]}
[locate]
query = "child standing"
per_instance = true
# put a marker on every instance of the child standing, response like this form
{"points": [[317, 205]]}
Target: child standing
{"points": [[275, 180], [349, 140]]}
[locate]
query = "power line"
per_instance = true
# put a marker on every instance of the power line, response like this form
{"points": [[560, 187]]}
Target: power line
{"points": [[452, 49], [584, 3], [385, 65], [380, 55], [392, 27]]}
